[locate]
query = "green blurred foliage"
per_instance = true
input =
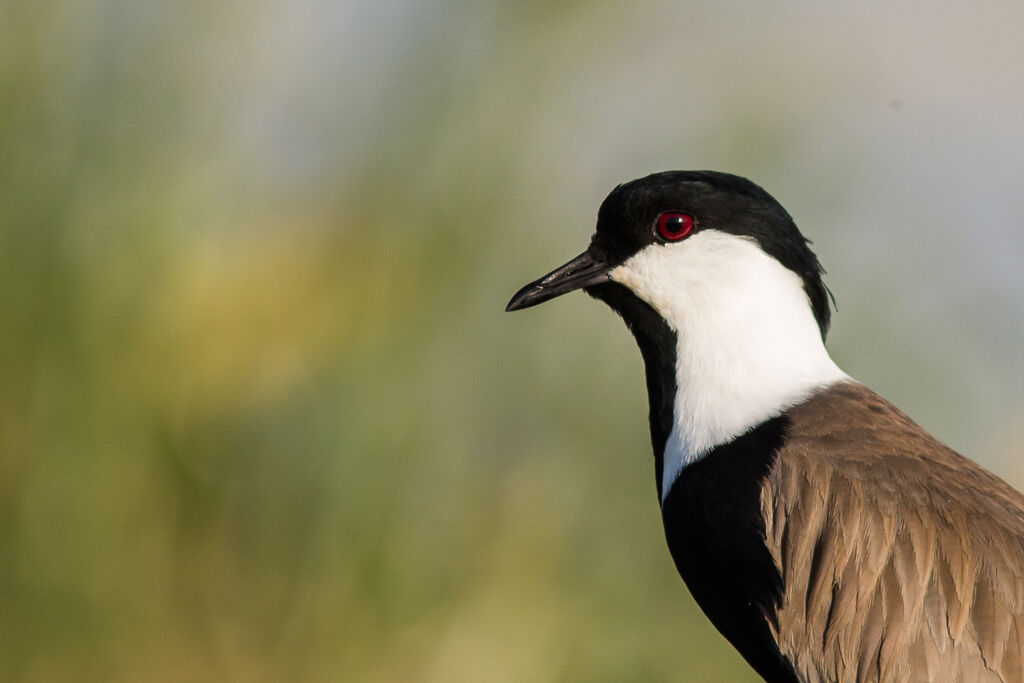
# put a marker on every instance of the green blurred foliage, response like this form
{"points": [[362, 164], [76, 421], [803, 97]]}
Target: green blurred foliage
{"points": [[261, 414]]}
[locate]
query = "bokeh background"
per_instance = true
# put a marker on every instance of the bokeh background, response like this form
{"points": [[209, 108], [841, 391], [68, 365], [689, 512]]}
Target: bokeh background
{"points": [[262, 417]]}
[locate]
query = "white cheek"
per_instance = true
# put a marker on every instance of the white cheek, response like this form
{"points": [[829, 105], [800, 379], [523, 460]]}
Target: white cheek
{"points": [[676, 279], [749, 346]]}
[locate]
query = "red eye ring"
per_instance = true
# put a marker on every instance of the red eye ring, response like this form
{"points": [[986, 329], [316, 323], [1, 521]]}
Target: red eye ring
{"points": [[674, 225]]}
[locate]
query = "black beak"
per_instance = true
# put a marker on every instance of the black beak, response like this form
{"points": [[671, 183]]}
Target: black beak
{"points": [[582, 271]]}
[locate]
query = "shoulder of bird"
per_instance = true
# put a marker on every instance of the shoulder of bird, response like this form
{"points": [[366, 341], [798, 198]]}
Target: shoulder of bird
{"points": [[900, 562]]}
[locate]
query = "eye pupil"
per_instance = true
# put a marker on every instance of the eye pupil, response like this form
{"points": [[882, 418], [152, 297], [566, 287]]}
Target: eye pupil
{"points": [[674, 226]]}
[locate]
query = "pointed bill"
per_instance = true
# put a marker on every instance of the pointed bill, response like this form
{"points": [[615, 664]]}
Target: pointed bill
{"points": [[583, 271]]}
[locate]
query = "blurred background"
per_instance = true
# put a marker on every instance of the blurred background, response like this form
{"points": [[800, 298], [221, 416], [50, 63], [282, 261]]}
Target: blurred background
{"points": [[262, 417]]}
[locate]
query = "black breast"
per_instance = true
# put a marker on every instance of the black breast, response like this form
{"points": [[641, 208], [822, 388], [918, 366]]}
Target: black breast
{"points": [[716, 534]]}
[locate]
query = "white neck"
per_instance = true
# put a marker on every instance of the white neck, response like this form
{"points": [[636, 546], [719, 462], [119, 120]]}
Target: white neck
{"points": [[749, 346]]}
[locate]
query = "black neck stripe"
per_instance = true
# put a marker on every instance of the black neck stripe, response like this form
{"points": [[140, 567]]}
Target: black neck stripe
{"points": [[657, 344]]}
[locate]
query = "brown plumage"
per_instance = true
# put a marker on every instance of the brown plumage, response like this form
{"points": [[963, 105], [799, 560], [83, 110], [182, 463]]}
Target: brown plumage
{"points": [[901, 559]]}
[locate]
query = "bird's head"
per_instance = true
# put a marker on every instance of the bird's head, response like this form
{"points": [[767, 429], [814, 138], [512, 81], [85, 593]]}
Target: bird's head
{"points": [[679, 240], [724, 297]]}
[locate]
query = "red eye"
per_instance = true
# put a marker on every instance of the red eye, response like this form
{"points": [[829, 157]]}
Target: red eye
{"points": [[674, 226]]}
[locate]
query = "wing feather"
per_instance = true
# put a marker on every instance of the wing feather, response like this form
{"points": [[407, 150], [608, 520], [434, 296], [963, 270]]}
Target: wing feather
{"points": [[901, 559]]}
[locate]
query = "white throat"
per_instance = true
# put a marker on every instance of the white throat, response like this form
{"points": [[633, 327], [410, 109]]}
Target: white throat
{"points": [[749, 346]]}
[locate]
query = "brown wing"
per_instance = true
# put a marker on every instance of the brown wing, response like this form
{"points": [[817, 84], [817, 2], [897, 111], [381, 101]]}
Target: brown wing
{"points": [[902, 560]]}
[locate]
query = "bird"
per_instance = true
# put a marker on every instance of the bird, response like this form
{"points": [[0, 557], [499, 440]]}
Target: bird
{"points": [[825, 534]]}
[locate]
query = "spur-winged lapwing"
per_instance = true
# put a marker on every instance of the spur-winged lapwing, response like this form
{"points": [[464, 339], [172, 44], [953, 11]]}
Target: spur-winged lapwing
{"points": [[822, 531]]}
